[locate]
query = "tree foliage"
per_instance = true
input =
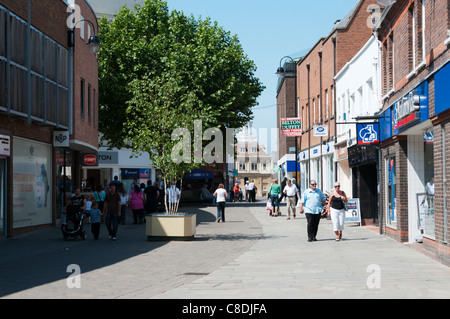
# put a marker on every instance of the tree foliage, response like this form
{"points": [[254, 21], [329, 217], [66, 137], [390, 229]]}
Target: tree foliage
{"points": [[162, 70]]}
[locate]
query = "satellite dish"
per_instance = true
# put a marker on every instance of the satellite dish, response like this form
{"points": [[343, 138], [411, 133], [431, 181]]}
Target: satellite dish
{"points": [[386, 2]]}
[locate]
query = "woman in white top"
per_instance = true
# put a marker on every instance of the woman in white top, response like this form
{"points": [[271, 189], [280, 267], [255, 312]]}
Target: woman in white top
{"points": [[221, 195]]}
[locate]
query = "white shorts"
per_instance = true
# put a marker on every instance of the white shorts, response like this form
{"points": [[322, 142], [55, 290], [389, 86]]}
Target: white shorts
{"points": [[338, 218]]}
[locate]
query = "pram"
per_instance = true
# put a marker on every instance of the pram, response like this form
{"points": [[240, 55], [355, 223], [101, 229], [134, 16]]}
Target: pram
{"points": [[74, 223]]}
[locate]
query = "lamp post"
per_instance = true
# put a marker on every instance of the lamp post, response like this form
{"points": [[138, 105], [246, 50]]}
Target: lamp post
{"points": [[282, 72], [93, 42]]}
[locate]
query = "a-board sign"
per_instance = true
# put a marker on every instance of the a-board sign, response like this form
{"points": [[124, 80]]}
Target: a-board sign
{"points": [[353, 213]]}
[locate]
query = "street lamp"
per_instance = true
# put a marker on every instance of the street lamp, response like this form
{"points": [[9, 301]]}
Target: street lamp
{"points": [[282, 72], [94, 41]]}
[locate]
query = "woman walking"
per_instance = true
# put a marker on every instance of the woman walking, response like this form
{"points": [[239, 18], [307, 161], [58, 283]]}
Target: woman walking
{"points": [[336, 209], [221, 195], [137, 204], [274, 192], [123, 204]]}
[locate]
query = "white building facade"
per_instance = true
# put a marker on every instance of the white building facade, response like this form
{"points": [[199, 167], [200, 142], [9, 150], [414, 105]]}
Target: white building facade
{"points": [[358, 101]]}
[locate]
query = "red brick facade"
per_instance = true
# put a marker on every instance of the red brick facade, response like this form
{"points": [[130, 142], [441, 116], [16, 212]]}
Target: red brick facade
{"points": [[415, 47], [50, 19]]}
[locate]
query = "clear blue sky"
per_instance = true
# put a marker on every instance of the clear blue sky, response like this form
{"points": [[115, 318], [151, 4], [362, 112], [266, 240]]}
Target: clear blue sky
{"points": [[269, 30]]}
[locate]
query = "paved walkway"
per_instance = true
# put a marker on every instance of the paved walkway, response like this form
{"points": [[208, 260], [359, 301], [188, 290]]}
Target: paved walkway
{"points": [[251, 255]]}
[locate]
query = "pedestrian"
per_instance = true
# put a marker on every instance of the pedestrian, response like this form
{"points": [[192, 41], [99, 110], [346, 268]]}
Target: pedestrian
{"points": [[115, 182], [206, 194], [311, 204], [151, 195], [283, 185], [274, 192], [291, 193], [123, 204], [95, 220], [136, 202], [251, 197], [99, 197], [111, 211], [247, 190], [221, 195], [336, 209], [254, 189], [236, 191], [78, 199]]}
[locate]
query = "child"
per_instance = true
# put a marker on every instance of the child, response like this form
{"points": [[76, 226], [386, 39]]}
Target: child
{"points": [[94, 219], [89, 205]]}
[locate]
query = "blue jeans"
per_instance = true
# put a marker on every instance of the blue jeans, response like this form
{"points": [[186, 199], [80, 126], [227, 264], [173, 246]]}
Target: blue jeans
{"points": [[274, 199], [221, 211], [112, 218]]}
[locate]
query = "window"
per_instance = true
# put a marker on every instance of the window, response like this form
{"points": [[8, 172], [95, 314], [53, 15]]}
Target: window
{"points": [[327, 105], [391, 183], [388, 64], [82, 98], [242, 166], [93, 108], [254, 166], [89, 104]]}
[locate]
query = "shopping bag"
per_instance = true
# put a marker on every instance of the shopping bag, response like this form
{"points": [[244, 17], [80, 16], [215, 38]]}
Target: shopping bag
{"points": [[269, 205]]}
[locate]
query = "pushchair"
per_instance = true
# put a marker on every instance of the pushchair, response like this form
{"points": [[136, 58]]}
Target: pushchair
{"points": [[74, 223]]}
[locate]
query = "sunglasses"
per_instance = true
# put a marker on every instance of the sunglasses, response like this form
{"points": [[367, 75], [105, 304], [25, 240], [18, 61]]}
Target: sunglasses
{"points": [[313, 184]]}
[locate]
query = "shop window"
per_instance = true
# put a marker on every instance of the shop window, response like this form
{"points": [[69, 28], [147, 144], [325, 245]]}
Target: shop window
{"points": [[429, 220], [391, 183]]}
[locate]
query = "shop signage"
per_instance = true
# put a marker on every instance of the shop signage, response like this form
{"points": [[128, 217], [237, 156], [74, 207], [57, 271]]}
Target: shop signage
{"points": [[127, 173], [61, 139], [5, 146], [291, 126], [407, 110], [353, 213], [368, 133], [108, 158], [320, 130], [89, 159], [199, 174]]}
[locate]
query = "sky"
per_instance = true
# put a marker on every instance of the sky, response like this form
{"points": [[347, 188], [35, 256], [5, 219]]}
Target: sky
{"points": [[268, 30]]}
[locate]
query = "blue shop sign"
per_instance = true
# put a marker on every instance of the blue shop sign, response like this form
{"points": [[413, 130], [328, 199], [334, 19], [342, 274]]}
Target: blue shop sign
{"points": [[441, 90], [128, 173], [411, 109], [368, 133], [199, 174], [385, 121]]}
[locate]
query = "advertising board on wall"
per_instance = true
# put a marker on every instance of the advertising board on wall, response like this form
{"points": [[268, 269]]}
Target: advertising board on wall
{"points": [[32, 176]]}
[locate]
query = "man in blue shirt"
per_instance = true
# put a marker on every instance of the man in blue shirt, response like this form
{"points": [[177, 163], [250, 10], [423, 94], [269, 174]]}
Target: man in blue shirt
{"points": [[311, 204]]}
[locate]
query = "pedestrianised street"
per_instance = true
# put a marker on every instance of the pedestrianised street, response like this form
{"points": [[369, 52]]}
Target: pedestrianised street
{"points": [[250, 256]]}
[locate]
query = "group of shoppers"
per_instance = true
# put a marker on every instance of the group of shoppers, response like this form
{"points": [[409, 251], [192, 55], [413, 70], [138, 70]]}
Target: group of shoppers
{"points": [[312, 204]]}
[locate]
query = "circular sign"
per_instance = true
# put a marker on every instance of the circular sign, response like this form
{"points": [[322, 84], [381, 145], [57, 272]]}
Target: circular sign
{"points": [[90, 159]]}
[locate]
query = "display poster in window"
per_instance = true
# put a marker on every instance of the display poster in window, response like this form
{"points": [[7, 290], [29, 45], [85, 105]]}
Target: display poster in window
{"points": [[353, 213], [32, 176]]}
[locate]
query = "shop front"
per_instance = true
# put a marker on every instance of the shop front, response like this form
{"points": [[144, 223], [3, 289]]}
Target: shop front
{"points": [[363, 162], [32, 181], [4, 155], [407, 140]]}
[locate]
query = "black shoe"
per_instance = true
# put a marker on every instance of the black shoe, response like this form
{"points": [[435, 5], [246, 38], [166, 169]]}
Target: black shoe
{"points": [[310, 239], [314, 239]]}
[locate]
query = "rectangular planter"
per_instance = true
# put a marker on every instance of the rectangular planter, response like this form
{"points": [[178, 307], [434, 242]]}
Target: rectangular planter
{"points": [[162, 227]]}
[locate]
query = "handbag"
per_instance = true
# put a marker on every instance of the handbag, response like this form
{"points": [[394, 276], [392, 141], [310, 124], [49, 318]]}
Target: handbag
{"points": [[345, 204]]}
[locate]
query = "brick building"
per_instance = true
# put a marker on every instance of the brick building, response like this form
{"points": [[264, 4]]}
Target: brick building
{"points": [[316, 94], [415, 122], [48, 109], [286, 103]]}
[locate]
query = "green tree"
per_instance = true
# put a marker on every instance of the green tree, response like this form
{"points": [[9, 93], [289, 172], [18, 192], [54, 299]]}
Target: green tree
{"points": [[162, 70]]}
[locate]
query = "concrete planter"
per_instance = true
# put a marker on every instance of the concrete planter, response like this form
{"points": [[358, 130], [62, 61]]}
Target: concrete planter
{"points": [[163, 227]]}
